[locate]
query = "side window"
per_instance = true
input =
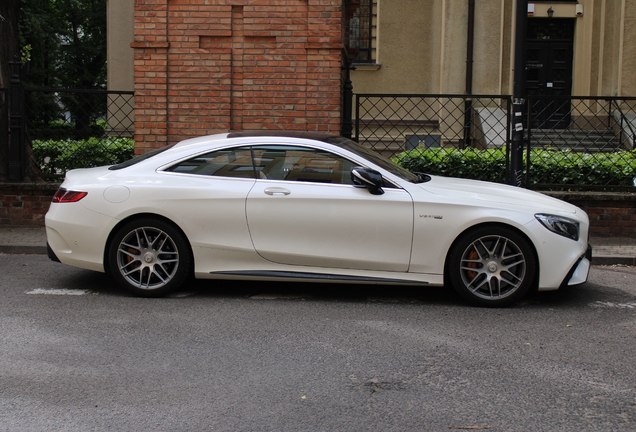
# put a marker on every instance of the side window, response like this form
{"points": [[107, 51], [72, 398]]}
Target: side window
{"points": [[301, 164], [235, 162]]}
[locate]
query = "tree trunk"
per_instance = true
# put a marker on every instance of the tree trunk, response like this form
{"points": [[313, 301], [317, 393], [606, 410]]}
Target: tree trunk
{"points": [[10, 49], [9, 12]]}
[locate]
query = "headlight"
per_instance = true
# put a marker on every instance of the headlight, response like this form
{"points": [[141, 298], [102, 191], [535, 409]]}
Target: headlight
{"points": [[560, 225]]}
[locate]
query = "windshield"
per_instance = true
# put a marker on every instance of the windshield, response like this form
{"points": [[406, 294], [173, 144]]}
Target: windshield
{"points": [[376, 158], [139, 158]]}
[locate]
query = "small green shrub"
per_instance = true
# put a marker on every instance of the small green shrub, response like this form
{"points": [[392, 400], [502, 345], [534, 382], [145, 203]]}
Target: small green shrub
{"points": [[474, 164], [547, 167], [59, 130], [58, 157]]}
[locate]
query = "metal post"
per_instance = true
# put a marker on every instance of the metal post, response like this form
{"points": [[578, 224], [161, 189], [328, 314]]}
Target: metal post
{"points": [[16, 144], [518, 101], [620, 133], [468, 102], [347, 100]]}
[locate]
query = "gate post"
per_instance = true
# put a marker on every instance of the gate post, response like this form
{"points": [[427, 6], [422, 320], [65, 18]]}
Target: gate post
{"points": [[518, 101], [347, 99], [16, 143]]}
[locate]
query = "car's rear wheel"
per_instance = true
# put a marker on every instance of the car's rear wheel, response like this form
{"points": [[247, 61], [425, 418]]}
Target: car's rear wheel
{"points": [[492, 266], [150, 257]]}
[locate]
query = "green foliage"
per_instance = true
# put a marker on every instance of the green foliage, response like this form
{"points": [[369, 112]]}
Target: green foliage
{"points": [[64, 46], [58, 130], [55, 157], [475, 164], [66, 41], [570, 168], [547, 167]]}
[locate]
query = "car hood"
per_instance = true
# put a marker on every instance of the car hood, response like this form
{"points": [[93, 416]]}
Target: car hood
{"points": [[480, 191]]}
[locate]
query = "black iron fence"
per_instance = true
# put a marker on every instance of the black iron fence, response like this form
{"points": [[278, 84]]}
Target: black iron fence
{"points": [[583, 143], [71, 128], [78, 114], [79, 128], [4, 126]]}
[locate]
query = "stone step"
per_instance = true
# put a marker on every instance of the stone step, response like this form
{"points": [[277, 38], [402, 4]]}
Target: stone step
{"points": [[578, 141]]}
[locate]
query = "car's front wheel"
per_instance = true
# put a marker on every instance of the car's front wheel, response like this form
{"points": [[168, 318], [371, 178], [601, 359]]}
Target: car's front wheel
{"points": [[149, 257], [492, 266]]}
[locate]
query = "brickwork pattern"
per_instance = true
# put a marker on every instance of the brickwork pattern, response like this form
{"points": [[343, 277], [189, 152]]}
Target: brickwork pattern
{"points": [[25, 204], [207, 66], [611, 219], [612, 214]]}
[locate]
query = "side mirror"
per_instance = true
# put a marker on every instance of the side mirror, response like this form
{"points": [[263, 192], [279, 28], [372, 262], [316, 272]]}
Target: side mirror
{"points": [[369, 178]]}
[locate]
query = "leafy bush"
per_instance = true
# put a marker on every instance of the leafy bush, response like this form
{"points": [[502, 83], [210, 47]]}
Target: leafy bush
{"points": [[59, 130], [474, 164], [547, 167], [57, 157]]}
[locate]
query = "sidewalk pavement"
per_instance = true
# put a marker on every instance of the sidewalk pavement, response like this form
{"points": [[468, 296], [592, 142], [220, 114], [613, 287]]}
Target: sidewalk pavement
{"points": [[32, 240]]}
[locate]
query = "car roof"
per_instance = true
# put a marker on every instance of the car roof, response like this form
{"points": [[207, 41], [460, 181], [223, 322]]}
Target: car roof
{"points": [[317, 136], [267, 135]]}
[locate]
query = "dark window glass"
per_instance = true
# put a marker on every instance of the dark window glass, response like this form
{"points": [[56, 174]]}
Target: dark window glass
{"points": [[360, 30], [301, 164], [557, 29], [139, 158], [234, 162], [375, 158]]}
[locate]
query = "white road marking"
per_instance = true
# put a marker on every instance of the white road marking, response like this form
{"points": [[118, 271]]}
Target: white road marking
{"points": [[612, 305], [57, 291]]}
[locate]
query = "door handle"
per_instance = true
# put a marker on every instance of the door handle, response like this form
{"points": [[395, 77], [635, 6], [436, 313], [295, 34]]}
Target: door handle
{"points": [[277, 191]]}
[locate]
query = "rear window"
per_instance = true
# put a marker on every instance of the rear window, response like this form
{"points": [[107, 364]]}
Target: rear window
{"points": [[140, 158]]}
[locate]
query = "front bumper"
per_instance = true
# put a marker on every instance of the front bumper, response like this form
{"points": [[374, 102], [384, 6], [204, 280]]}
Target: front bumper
{"points": [[581, 270]]}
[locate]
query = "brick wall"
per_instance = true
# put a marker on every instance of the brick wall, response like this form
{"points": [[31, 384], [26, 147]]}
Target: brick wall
{"points": [[207, 66], [25, 204], [611, 214]]}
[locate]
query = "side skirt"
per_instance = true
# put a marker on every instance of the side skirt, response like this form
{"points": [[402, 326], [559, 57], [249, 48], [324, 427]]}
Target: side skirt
{"points": [[325, 277]]}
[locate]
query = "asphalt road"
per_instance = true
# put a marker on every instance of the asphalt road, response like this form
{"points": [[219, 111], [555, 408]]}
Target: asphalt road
{"points": [[78, 354]]}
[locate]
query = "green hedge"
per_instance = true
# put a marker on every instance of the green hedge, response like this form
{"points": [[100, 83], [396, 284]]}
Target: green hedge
{"points": [[64, 131], [547, 167], [57, 157]]}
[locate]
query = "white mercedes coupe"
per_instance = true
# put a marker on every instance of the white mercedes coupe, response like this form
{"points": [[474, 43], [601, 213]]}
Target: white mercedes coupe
{"points": [[303, 206]]}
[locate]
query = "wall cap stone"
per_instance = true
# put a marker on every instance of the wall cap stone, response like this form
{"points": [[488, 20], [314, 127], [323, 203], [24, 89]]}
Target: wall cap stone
{"points": [[587, 195]]}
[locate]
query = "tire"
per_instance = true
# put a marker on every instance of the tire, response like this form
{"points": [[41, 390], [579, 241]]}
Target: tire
{"points": [[492, 266], [149, 257]]}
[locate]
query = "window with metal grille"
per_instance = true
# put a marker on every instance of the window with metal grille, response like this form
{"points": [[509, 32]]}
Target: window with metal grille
{"points": [[360, 26]]}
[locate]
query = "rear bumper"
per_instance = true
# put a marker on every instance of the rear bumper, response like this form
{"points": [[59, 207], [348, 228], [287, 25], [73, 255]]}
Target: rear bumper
{"points": [[51, 254]]}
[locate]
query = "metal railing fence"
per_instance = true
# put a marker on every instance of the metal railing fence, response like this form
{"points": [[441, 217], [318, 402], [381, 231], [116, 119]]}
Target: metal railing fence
{"points": [[76, 128], [572, 143], [583, 143], [4, 123], [78, 114]]}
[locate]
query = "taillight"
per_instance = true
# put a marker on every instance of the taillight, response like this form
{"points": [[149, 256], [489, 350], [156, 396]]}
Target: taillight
{"points": [[66, 196]]}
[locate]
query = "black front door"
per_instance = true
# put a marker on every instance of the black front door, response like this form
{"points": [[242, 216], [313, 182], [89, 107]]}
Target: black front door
{"points": [[549, 71]]}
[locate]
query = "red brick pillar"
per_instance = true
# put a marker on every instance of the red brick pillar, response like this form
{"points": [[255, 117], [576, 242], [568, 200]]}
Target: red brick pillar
{"points": [[151, 79], [324, 62], [206, 66]]}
